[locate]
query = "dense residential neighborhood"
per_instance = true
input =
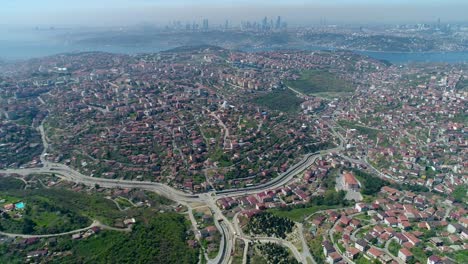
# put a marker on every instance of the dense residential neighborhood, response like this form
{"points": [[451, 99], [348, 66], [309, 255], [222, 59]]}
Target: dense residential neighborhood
{"points": [[328, 155]]}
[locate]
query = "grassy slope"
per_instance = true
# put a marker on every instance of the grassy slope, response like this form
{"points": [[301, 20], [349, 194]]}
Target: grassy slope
{"points": [[162, 239], [319, 81], [157, 238], [281, 100], [370, 132], [299, 214], [58, 210]]}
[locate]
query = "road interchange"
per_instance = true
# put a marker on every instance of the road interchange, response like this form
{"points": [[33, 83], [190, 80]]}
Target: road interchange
{"points": [[228, 230]]}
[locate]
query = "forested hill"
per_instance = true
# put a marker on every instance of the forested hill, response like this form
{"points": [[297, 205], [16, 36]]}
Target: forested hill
{"points": [[161, 240]]}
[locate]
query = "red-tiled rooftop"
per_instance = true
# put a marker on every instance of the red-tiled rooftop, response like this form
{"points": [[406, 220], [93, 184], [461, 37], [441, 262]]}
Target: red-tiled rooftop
{"points": [[350, 179]]}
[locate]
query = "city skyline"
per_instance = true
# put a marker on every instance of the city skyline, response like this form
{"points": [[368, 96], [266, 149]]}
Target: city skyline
{"points": [[124, 12]]}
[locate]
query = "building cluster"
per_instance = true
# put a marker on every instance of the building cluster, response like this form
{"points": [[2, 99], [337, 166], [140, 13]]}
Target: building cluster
{"points": [[183, 118], [413, 128], [394, 228]]}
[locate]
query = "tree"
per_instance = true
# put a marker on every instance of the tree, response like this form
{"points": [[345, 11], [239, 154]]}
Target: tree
{"points": [[459, 194], [28, 226]]}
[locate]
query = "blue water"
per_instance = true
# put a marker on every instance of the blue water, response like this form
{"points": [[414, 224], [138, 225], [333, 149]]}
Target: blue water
{"points": [[12, 50], [19, 205], [397, 57], [26, 44], [23, 44]]}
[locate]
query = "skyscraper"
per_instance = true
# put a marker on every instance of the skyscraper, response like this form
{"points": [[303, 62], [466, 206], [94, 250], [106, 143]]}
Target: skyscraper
{"points": [[278, 23], [265, 23], [205, 24]]}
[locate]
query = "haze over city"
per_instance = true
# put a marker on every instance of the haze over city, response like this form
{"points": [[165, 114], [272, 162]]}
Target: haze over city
{"points": [[298, 12], [234, 132]]}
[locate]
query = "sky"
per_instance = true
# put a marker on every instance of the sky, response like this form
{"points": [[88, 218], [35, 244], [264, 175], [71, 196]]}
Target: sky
{"points": [[300, 12]]}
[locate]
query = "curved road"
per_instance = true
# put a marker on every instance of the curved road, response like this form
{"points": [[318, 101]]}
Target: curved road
{"points": [[94, 224], [224, 225], [299, 257]]}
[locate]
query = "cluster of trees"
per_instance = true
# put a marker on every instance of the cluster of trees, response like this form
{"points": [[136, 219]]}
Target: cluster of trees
{"points": [[460, 194], [41, 216], [316, 248], [318, 146], [320, 81], [9, 183], [283, 100], [370, 132], [161, 240], [9, 256], [274, 253], [269, 224], [236, 173], [25, 142], [330, 199], [57, 210], [370, 184], [410, 187], [23, 226]]}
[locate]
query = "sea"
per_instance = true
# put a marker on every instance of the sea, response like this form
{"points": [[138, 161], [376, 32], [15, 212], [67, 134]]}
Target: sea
{"points": [[26, 44]]}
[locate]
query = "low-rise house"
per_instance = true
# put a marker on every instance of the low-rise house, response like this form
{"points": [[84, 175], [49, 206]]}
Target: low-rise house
{"points": [[374, 253], [333, 216], [211, 230], [37, 253], [334, 257], [352, 252], [344, 220], [318, 220], [265, 197], [400, 238], [252, 200], [391, 221], [362, 245], [405, 225], [384, 258], [9, 207], [383, 238], [355, 223], [129, 221], [454, 239], [350, 182], [361, 207], [405, 254], [222, 203], [434, 260], [436, 241], [204, 233], [454, 228], [412, 239], [464, 222], [327, 247], [30, 241], [249, 213], [192, 243], [464, 234]]}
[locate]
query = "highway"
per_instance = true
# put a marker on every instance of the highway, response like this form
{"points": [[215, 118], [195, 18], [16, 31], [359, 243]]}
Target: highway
{"points": [[69, 174], [226, 228], [282, 179]]}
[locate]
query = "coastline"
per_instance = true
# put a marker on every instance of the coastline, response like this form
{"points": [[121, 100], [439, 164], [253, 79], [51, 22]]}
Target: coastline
{"points": [[25, 51]]}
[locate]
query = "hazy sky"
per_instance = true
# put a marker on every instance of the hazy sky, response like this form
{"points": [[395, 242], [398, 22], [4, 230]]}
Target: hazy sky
{"points": [[128, 12]]}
